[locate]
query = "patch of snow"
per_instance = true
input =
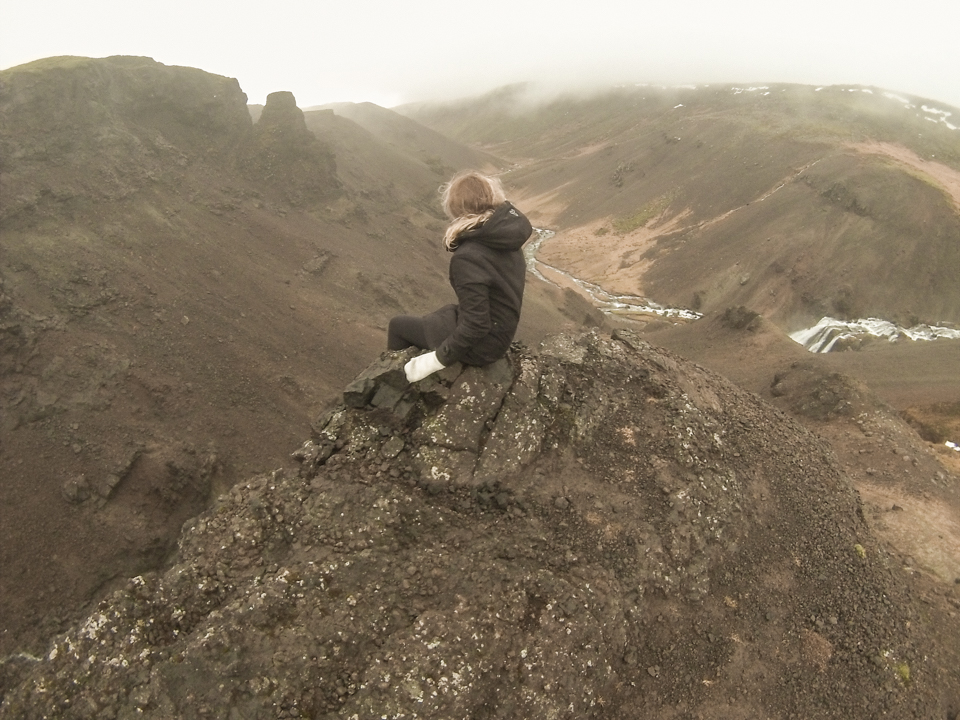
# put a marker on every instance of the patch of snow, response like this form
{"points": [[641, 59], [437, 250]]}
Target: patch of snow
{"points": [[942, 113], [823, 336], [897, 98]]}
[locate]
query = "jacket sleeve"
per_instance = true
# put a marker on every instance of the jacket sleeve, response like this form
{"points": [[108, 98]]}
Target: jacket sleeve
{"points": [[473, 319]]}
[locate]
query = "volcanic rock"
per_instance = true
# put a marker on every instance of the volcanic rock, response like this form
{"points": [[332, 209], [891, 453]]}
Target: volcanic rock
{"points": [[143, 120], [288, 156], [615, 532]]}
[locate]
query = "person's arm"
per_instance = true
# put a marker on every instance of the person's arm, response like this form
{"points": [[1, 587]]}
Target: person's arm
{"points": [[473, 324], [473, 314], [469, 281]]}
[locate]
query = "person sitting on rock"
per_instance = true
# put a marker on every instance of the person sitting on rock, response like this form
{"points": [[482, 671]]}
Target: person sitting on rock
{"points": [[487, 272]]}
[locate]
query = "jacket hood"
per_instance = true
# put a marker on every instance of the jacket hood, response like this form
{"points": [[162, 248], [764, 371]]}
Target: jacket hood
{"points": [[506, 229]]}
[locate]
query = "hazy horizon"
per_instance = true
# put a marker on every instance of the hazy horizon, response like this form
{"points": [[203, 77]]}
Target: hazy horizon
{"points": [[392, 54]]}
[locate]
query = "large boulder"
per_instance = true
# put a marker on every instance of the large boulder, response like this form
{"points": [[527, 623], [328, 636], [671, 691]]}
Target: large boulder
{"points": [[597, 529]]}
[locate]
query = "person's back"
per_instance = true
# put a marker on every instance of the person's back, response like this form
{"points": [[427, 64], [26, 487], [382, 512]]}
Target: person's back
{"points": [[487, 272]]}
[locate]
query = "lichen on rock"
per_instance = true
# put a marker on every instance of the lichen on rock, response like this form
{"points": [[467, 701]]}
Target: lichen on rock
{"points": [[595, 529]]}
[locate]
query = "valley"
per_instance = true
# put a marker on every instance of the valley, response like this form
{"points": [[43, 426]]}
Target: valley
{"points": [[188, 284]]}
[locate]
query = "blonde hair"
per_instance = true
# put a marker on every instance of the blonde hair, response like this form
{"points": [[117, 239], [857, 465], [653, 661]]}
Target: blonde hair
{"points": [[469, 200]]}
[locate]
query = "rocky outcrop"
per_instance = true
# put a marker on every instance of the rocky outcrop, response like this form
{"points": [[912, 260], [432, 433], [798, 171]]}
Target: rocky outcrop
{"points": [[287, 156], [64, 99], [597, 529], [77, 129]]}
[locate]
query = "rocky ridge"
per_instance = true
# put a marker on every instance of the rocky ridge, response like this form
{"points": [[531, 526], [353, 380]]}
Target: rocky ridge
{"points": [[151, 123], [78, 131], [597, 529]]}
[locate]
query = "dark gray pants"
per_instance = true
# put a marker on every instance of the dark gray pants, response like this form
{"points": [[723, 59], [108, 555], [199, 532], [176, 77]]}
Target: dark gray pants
{"points": [[425, 332]]}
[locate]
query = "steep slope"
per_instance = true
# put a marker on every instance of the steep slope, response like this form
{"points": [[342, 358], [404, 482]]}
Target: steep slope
{"points": [[375, 168], [180, 288], [861, 402], [430, 147], [793, 201], [597, 530]]}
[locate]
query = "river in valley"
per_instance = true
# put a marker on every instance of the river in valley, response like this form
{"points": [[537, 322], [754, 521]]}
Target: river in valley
{"points": [[623, 305], [828, 335]]}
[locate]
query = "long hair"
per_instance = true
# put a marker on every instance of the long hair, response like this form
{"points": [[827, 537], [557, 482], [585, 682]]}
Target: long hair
{"points": [[469, 200]]}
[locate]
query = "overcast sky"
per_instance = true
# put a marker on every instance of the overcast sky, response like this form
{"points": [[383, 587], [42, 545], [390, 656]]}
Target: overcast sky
{"points": [[395, 52]]}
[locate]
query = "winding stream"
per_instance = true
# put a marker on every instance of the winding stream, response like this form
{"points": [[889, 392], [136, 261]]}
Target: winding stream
{"points": [[606, 302]]}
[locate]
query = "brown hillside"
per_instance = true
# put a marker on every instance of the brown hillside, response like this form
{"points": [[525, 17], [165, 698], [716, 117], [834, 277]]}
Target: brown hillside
{"points": [[380, 172], [793, 202], [430, 147], [180, 289]]}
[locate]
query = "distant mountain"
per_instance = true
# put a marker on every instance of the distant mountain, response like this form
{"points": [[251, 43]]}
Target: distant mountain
{"points": [[794, 201], [430, 147], [378, 170]]}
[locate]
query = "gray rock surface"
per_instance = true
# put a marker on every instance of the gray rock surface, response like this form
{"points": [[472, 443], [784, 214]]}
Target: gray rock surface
{"points": [[599, 529]]}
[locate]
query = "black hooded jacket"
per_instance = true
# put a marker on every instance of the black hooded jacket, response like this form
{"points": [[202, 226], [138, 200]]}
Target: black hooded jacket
{"points": [[487, 271]]}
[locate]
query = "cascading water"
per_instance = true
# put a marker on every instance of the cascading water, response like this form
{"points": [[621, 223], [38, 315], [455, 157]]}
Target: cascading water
{"points": [[826, 334]]}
